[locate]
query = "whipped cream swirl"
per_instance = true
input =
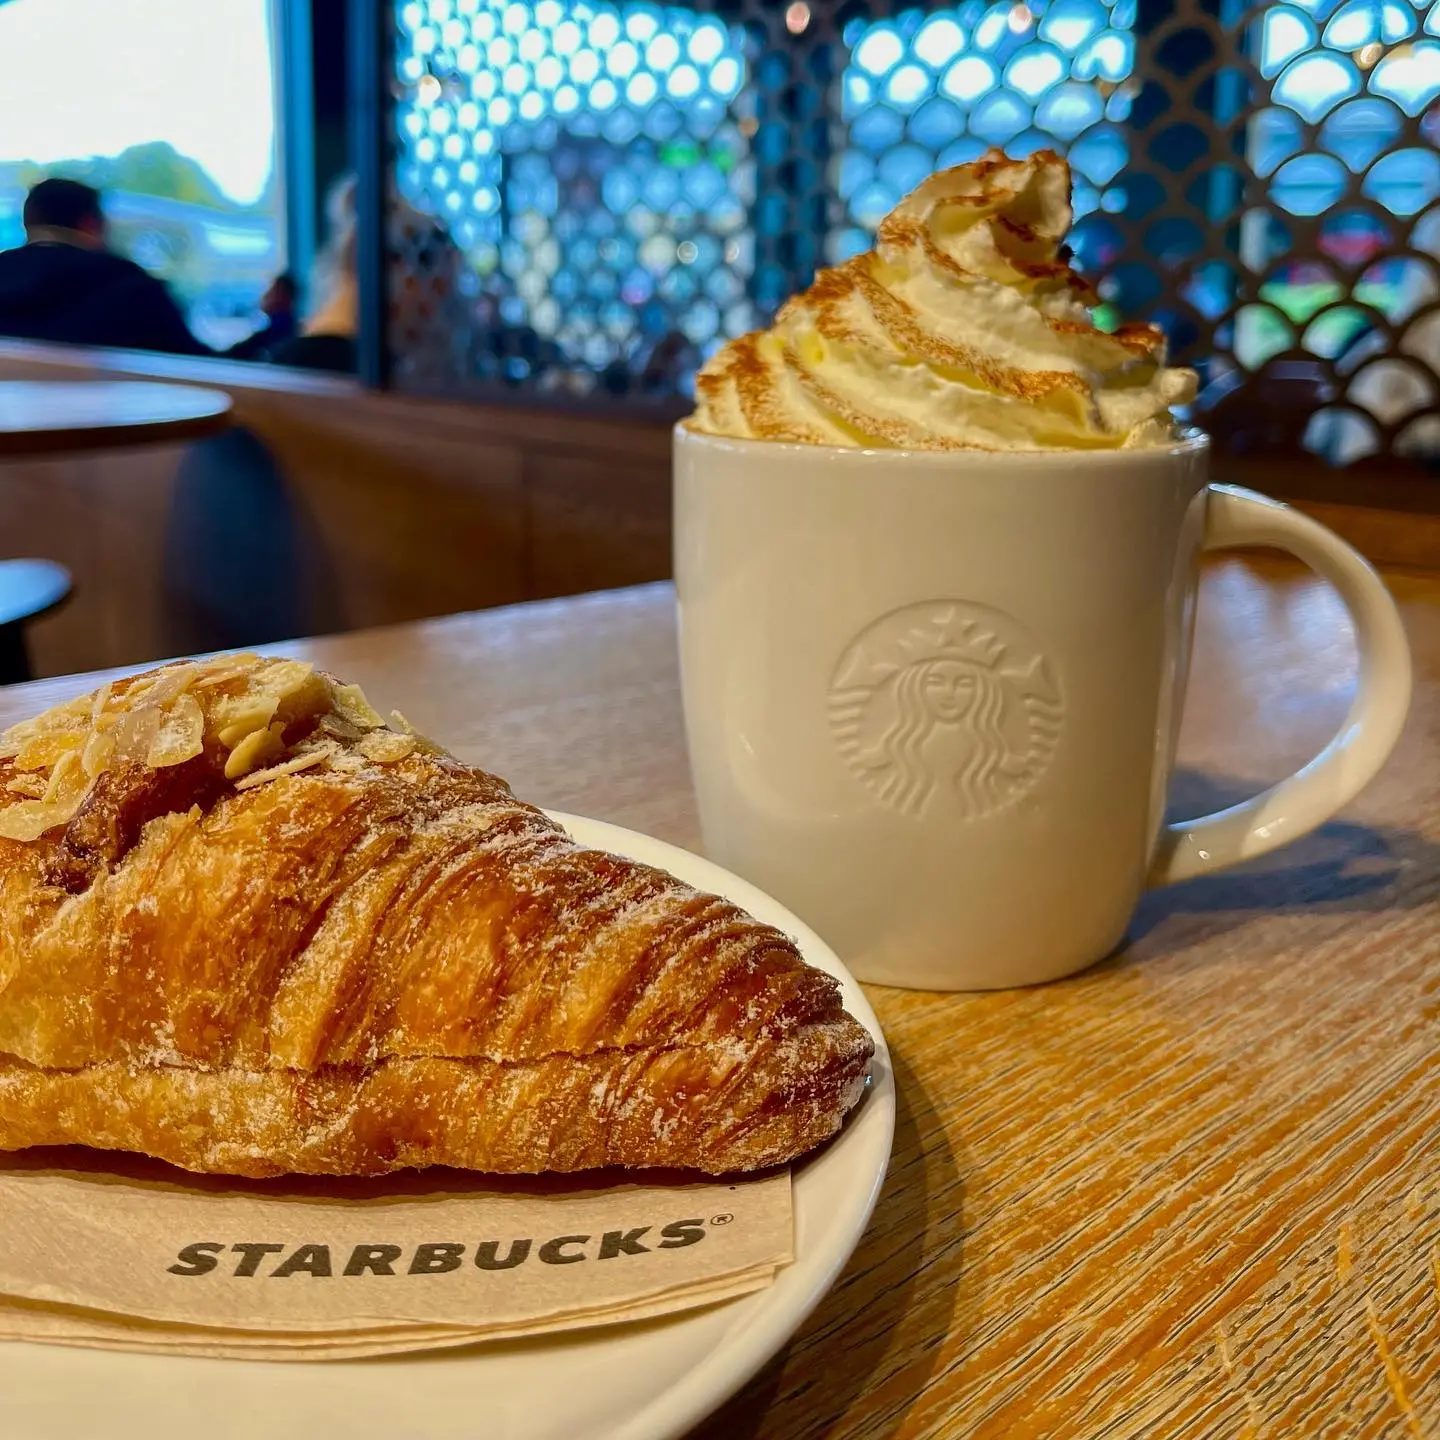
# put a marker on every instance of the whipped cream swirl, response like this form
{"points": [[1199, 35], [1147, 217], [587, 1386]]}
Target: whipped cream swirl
{"points": [[964, 328]]}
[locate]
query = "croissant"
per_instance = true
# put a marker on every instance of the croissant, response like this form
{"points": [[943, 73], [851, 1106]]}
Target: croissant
{"points": [[248, 927]]}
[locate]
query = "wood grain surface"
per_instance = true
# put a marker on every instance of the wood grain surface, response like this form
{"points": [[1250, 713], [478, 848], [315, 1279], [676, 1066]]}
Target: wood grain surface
{"points": [[325, 507], [41, 417], [1194, 1191]]}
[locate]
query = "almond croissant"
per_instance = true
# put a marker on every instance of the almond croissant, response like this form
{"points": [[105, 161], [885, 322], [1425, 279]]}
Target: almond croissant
{"points": [[247, 927]]}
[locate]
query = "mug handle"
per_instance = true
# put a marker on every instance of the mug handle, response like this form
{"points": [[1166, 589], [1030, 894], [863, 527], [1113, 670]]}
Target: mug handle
{"points": [[1285, 812]]}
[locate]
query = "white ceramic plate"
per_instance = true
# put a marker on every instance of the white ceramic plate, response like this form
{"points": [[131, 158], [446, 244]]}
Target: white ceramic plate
{"points": [[650, 1381]]}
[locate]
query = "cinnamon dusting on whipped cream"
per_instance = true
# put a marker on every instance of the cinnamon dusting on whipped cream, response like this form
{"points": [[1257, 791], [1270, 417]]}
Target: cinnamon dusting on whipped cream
{"points": [[965, 328]]}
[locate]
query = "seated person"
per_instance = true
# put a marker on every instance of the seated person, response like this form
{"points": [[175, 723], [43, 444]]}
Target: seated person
{"points": [[64, 284], [422, 285], [327, 337], [277, 305]]}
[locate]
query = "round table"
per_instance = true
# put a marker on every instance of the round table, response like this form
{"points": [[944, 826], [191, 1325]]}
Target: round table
{"points": [[53, 417], [28, 590], [45, 417]]}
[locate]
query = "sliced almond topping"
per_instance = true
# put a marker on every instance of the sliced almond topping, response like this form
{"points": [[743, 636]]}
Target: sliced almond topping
{"points": [[423, 743], [102, 699], [236, 718], [254, 750], [240, 704], [181, 735], [30, 819], [64, 790], [58, 719], [67, 780], [135, 732], [171, 682], [96, 755], [292, 766], [384, 747], [225, 668], [284, 677], [46, 750], [350, 701], [255, 714], [309, 700]]}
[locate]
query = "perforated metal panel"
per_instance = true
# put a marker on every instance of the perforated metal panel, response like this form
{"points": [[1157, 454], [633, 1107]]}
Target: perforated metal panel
{"points": [[1280, 219], [628, 184], [926, 90], [593, 164]]}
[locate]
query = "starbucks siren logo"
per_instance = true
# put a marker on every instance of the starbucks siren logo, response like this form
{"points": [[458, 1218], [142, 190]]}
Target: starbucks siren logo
{"points": [[946, 705]]}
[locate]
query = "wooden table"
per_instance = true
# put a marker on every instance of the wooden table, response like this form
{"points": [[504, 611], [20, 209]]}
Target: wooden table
{"points": [[1195, 1191], [43, 417]]}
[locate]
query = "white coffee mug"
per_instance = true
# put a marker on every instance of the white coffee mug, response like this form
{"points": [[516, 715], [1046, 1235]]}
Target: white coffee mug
{"points": [[932, 698]]}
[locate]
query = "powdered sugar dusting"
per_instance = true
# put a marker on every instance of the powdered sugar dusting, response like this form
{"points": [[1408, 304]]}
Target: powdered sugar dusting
{"points": [[381, 957]]}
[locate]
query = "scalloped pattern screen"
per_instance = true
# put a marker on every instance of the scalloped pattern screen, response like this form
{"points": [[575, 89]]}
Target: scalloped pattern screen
{"points": [[591, 196]]}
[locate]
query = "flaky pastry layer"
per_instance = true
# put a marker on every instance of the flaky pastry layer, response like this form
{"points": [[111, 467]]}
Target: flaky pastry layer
{"points": [[375, 959]]}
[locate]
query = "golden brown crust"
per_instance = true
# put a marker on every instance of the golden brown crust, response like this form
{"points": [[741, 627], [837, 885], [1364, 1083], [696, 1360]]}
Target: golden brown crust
{"points": [[655, 1108], [371, 963]]}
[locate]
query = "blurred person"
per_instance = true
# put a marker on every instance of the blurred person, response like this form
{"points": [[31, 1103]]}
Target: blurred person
{"points": [[65, 284], [663, 371], [422, 285], [673, 357], [512, 354], [278, 305], [327, 335]]}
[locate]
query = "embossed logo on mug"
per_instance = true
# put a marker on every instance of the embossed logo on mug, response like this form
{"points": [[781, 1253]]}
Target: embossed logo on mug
{"points": [[946, 703]]}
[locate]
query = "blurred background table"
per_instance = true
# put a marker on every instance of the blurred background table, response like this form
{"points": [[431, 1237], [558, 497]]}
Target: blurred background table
{"points": [[45, 417], [1195, 1190], [40, 418]]}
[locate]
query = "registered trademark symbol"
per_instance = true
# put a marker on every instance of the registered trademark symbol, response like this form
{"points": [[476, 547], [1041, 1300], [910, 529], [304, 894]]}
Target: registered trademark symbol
{"points": [[721, 1219]]}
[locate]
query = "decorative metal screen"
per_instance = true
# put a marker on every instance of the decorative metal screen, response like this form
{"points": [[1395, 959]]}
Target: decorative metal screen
{"points": [[1280, 218], [626, 185], [926, 90], [592, 162]]}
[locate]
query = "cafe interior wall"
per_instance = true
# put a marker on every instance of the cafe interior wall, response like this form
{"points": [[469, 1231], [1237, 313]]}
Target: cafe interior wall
{"points": [[1262, 182], [587, 197]]}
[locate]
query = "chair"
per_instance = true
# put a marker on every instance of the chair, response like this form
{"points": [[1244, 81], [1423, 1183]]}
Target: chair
{"points": [[28, 589]]}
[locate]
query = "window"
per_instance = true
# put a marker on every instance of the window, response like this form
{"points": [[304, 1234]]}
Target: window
{"points": [[167, 106]]}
